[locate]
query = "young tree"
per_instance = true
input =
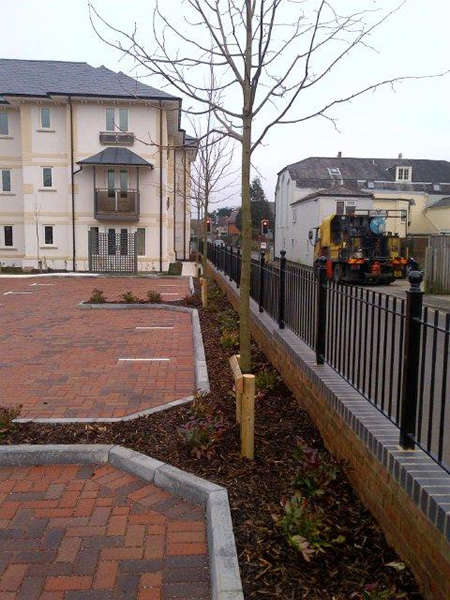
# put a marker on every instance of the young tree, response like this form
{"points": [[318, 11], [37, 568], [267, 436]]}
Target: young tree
{"points": [[265, 55]]}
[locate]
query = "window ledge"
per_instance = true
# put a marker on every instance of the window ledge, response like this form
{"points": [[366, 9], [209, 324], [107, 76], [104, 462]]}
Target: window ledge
{"points": [[47, 189], [7, 193], [48, 246], [6, 137], [46, 130], [8, 248]]}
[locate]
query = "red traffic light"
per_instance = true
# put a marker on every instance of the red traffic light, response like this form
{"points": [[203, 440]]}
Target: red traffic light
{"points": [[264, 227], [208, 225]]}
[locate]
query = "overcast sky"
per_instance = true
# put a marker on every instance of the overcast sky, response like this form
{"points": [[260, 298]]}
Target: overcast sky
{"points": [[413, 120]]}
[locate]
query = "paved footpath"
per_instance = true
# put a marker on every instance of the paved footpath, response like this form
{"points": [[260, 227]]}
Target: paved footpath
{"points": [[92, 532], [61, 361]]}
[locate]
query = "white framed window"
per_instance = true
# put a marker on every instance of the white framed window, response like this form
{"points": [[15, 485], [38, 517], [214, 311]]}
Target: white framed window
{"points": [[45, 118], [140, 241], [49, 238], [47, 177], [404, 174], [5, 180], [8, 236], [117, 119], [4, 123], [294, 215], [340, 207]]}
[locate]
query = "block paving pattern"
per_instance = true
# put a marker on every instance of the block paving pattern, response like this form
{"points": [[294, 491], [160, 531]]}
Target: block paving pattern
{"points": [[61, 361], [92, 532]]}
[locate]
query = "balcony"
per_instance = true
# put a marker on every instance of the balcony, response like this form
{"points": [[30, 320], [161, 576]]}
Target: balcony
{"points": [[116, 205], [116, 138]]}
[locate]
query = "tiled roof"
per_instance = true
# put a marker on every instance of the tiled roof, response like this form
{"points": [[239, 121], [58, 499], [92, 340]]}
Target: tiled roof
{"points": [[315, 171], [40, 78], [116, 156]]}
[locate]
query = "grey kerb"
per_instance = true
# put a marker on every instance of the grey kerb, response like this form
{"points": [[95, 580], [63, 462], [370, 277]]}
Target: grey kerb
{"points": [[201, 371], [223, 563], [425, 482]]}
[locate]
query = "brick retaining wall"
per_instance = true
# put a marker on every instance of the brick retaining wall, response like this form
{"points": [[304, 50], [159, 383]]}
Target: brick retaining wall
{"points": [[406, 491]]}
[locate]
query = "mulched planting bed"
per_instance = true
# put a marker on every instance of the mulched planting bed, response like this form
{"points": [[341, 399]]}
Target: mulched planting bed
{"points": [[351, 559]]}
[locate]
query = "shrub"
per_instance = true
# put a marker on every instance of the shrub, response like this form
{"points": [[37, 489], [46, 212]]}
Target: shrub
{"points": [[229, 340], [266, 379], [314, 474], [7, 416], [190, 299], [97, 297], [129, 298], [228, 320], [302, 527], [154, 297], [200, 435]]}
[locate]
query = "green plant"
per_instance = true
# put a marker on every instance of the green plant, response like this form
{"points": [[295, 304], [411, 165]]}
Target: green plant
{"points": [[199, 407], [373, 591], [302, 526], [314, 472], [200, 435], [129, 298], [7, 416], [229, 340], [266, 379], [228, 320], [154, 297], [97, 297], [190, 300]]}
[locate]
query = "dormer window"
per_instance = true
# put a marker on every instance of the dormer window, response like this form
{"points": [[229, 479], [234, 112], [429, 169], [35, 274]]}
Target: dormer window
{"points": [[404, 174], [334, 171]]}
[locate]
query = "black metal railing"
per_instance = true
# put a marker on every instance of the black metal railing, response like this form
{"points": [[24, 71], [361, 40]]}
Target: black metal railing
{"points": [[394, 351]]}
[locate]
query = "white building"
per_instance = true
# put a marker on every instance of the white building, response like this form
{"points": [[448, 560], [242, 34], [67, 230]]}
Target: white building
{"points": [[95, 170], [416, 190]]}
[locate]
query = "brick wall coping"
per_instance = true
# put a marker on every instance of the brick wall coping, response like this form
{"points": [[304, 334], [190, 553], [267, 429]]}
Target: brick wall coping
{"points": [[223, 563], [425, 482]]}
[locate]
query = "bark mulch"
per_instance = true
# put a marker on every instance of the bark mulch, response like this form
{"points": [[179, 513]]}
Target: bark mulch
{"points": [[351, 559]]}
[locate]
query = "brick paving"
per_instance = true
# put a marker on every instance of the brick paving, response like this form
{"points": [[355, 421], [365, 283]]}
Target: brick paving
{"points": [[62, 361], [92, 532]]}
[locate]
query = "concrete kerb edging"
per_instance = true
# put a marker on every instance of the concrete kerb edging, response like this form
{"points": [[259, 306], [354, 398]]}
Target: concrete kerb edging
{"points": [[201, 369], [223, 563]]}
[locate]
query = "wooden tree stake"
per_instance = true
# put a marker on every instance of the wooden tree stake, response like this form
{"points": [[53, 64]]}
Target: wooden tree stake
{"points": [[248, 417], [238, 384], [204, 286]]}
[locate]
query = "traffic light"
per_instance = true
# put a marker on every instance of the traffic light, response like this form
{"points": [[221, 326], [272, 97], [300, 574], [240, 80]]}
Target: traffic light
{"points": [[264, 227], [208, 225]]}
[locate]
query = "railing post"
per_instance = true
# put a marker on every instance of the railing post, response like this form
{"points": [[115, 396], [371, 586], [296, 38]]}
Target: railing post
{"points": [[238, 270], [261, 280], [282, 291], [231, 264], [411, 356], [321, 314]]}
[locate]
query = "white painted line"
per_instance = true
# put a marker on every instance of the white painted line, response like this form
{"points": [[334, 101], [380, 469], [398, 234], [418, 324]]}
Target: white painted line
{"points": [[170, 293], [167, 285], [32, 284], [143, 359], [155, 327], [7, 293]]}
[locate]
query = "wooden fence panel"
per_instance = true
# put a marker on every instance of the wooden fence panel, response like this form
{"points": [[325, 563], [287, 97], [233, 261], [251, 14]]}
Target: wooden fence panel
{"points": [[437, 265]]}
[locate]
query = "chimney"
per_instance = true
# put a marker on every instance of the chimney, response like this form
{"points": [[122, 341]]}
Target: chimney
{"points": [[400, 156], [339, 155]]}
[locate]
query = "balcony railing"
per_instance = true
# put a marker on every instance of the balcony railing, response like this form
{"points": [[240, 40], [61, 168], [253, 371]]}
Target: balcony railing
{"points": [[116, 204], [119, 138]]}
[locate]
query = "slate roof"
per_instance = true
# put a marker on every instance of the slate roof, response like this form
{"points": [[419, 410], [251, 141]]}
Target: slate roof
{"points": [[337, 191], [314, 171], [41, 78], [116, 156], [442, 203]]}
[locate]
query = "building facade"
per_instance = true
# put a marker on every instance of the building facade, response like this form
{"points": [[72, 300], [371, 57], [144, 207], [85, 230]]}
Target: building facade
{"points": [[95, 170], [417, 191]]}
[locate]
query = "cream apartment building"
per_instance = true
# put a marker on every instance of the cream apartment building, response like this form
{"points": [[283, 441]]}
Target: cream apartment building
{"points": [[417, 190], [94, 170]]}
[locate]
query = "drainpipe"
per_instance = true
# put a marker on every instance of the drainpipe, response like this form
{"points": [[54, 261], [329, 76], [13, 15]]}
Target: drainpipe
{"points": [[72, 174], [184, 207], [175, 202], [160, 184]]}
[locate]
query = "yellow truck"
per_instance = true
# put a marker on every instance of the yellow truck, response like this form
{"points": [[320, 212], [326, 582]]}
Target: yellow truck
{"points": [[358, 247]]}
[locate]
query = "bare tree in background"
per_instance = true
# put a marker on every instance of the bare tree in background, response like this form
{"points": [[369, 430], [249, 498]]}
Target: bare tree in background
{"points": [[265, 55]]}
